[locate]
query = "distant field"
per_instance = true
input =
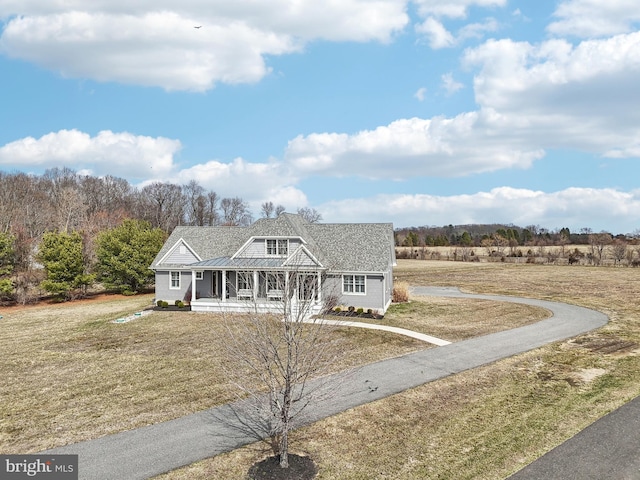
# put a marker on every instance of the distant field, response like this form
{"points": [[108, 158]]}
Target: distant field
{"points": [[543, 254]]}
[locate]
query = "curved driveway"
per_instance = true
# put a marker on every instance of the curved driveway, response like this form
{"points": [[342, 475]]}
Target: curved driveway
{"points": [[149, 451]]}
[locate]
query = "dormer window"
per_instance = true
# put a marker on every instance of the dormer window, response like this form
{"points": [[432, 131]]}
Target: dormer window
{"points": [[277, 246]]}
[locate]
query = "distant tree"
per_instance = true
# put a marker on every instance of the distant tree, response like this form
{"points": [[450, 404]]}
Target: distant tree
{"points": [[495, 245], [162, 204], [124, 254], [411, 240], [597, 244], [61, 254], [235, 211], [267, 209], [465, 239], [279, 210], [7, 264], [70, 210], [526, 236], [311, 215], [618, 250]]}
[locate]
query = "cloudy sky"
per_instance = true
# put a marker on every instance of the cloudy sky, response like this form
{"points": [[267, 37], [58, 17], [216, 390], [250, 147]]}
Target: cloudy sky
{"points": [[417, 112]]}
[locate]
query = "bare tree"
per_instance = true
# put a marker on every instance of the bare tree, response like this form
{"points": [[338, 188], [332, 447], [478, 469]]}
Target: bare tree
{"points": [[597, 244], [495, 245], [235, 211], [195, 203], [70, 210], [269, 210], [280, 210], [311, 215], [162, 204], [279, 361], [618, 251]]}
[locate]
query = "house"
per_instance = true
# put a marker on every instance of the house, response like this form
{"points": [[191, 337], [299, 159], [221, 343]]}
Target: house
{"points": [[228, 268]]}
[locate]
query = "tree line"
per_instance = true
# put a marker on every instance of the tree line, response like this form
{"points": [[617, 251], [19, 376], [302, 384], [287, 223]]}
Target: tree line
{"points": [[480, 234], [62, 221], [534, 243]]}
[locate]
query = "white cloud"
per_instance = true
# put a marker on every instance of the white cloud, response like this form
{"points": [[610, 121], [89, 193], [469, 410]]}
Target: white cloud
{"points": [[560, 95], [144, 160], [436, 33], [453, 8], [439, 37], [595, 18], [531, 97], [574, 208], [440, 146], [450, 85], [421, 94], [121, 154], [154, 43], [255, 182]]}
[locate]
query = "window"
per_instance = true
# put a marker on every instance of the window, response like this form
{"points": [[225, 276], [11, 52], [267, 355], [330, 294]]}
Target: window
{"points": [[174, 283], [245, 289], [275, 281], [244, 280], [199, 275], [275, 286], [277, 246], [283, 247], [353, 284], [272, 248]]}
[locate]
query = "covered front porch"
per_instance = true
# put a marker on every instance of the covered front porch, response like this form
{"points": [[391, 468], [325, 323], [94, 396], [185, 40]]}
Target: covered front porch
{"points": [[256, 290]]}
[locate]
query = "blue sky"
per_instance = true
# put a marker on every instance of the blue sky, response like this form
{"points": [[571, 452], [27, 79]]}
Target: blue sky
{"points": [[422, 112]]}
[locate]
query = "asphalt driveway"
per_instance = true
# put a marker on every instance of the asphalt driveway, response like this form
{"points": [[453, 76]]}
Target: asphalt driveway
{"points": [[149, 451]]}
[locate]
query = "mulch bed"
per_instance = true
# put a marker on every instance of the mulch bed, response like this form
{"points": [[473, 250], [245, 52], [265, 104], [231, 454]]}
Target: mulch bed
{"points": [[172, 308], [373, 316], [300, 468]]}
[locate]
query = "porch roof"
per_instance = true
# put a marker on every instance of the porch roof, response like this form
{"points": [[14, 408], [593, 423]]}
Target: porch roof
{"points": [[233, 263]]}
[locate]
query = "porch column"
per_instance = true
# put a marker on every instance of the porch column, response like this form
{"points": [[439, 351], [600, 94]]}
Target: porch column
{"points": [[224, 285], [319, 286], [255, 285], [193, 286]]}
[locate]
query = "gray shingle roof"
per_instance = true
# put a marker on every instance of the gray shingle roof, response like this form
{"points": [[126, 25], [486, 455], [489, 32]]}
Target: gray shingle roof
{"points": [[349, 247]]}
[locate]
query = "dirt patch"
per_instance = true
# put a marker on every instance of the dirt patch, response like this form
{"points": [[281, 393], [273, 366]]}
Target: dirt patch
{"points": [[589, 374], [300, 468], [607, 345]]}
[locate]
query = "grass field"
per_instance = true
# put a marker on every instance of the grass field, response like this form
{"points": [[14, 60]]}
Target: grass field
{"points": [[487, 422], [69, 373]]}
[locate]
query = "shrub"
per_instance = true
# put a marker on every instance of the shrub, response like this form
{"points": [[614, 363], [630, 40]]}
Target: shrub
{"points": [[360, 311], [369, 311], [162, 304], [159, 303], [400, 292], [179, 304], [337, 309]]}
